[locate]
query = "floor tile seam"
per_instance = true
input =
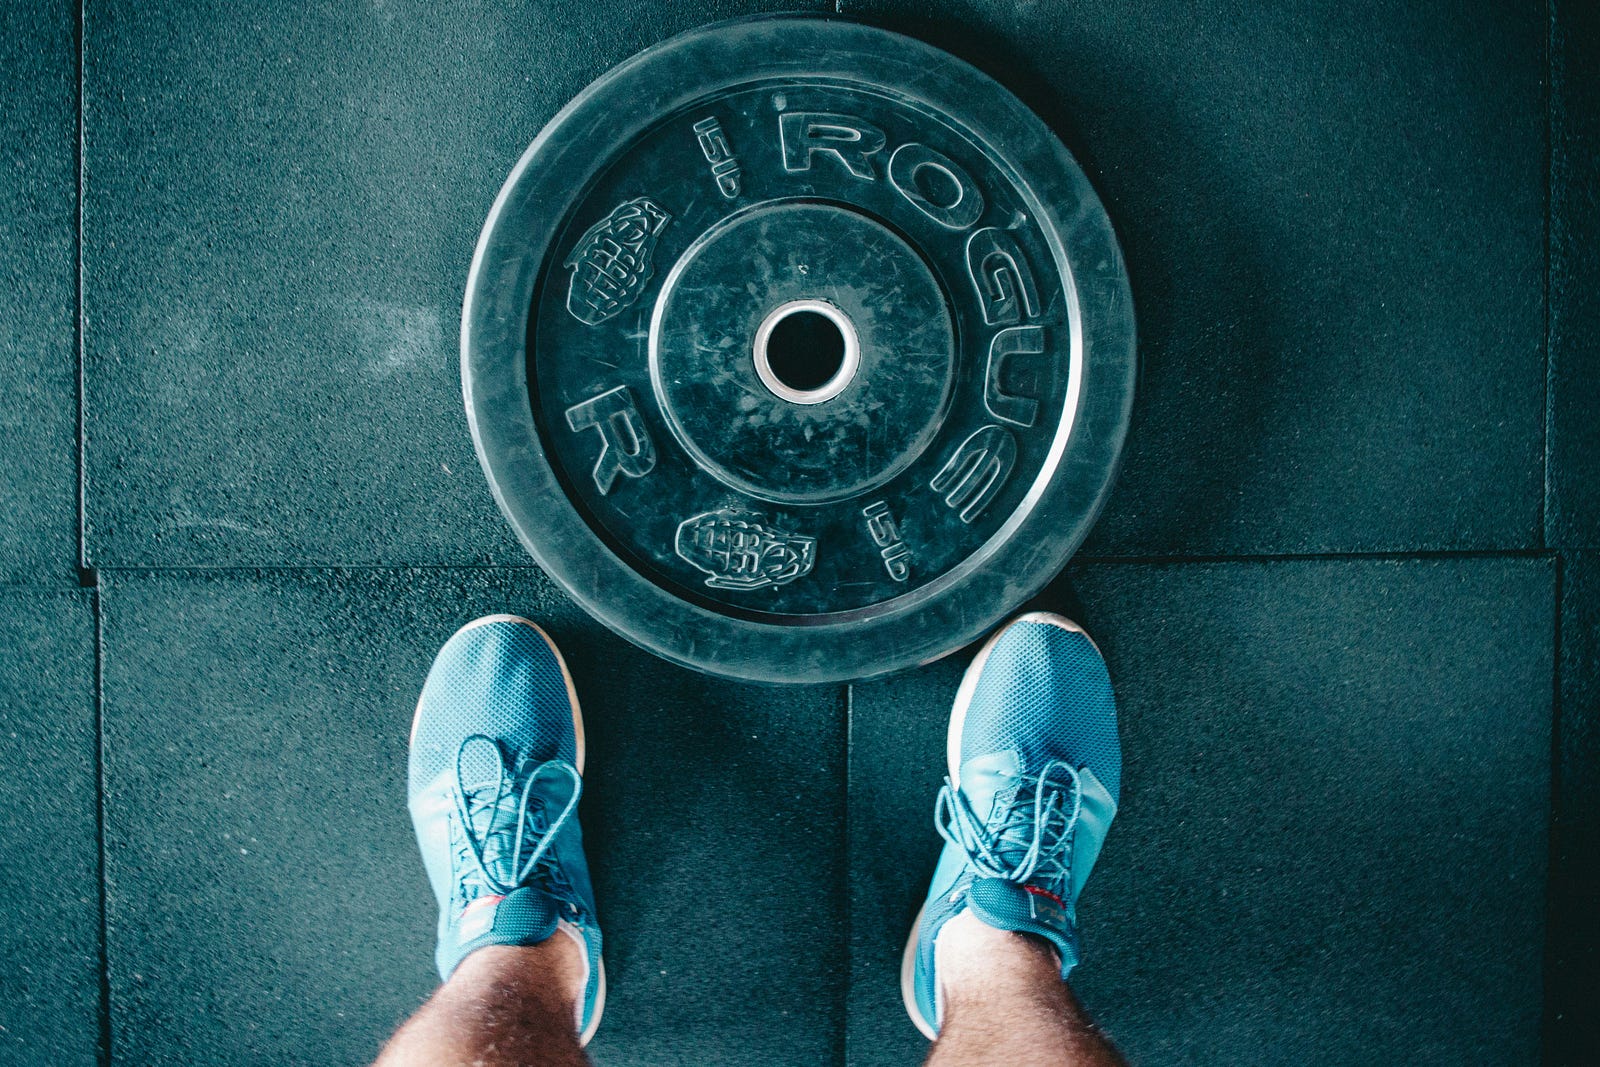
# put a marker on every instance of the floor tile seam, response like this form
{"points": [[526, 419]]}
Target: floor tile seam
{"points": [[81, 473], [1395, 555], [1563, 547], [44, 577], [847, 880], [270, 568], [532, 567], [1550, 1012], [104, 1039], [312, 569]]}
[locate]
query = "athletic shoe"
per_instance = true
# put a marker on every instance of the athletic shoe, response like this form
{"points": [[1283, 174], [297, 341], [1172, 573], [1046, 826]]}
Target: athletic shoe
{"points": [[1035, 769], [496, 772]]}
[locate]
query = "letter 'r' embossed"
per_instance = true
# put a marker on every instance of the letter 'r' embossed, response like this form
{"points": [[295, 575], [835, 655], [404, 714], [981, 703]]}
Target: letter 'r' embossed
{"points": [[849, 140], [977, 471], [625, 445]]}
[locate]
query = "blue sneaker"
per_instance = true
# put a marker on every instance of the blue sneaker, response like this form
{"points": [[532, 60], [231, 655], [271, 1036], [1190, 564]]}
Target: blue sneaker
{"points": [[496, 772], [1035, 769]]}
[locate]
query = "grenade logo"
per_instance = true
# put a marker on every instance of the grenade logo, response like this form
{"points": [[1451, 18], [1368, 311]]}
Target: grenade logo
{"points": [[611, 264], [741, 554]]}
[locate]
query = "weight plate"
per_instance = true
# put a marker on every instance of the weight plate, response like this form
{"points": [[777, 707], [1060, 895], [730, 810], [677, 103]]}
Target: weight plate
{"points": [[798, 350]]}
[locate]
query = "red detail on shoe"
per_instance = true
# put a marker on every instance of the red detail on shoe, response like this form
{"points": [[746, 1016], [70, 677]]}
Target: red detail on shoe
{"points": [[481, 902], [1036, 891]]}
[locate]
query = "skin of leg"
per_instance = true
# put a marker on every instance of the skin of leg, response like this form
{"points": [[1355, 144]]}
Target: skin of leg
{"points": [[1005, 1002], [504, 1005]]}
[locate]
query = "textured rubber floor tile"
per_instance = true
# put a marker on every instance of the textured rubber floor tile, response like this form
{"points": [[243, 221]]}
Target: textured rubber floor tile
{"points": [[1332, 846], [50, 876], [282, 205], [1333, 220], [38, 231], [1573, 516], [715, 829], [267, 903], [898, 729]]}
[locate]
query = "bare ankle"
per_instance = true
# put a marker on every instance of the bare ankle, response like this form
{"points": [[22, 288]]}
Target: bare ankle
{"points": [[551, 971], [1006, 1002], [503, 1004], [976, 959]]}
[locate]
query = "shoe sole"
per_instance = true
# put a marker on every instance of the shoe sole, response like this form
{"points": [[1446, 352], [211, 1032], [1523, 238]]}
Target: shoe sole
{"points": [[577, 729], [958, 722], [599, 1006]]}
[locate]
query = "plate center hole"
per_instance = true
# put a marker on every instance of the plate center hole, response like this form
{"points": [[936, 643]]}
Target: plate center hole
{"points": [[806, 351]]}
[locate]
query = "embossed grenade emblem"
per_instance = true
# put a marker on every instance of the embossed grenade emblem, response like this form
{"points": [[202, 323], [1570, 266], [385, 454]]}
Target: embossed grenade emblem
{"points": [[741, 554], [611, 263]]}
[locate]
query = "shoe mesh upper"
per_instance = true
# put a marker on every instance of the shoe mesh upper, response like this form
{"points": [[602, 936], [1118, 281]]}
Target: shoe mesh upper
{"points": [[500, 679], [1045, 692]]}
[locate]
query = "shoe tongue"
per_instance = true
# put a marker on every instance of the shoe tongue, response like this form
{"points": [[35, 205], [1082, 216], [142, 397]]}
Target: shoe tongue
{"points": [[991, 777], [495, 816], [995, 781], [494, 821], [1026, 909]]}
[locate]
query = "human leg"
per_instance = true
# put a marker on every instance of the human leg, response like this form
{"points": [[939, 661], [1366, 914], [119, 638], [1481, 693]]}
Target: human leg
{"points": [[510, 1005], [1005, 1002], [497, 752], [1035, 769]]}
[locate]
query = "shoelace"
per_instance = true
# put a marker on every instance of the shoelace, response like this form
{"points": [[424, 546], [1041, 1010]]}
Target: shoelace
{"points": [[492, 796], [1038, 834]]}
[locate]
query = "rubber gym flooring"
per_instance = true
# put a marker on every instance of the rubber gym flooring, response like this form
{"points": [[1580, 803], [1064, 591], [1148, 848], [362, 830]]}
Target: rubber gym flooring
{"points": [[1348, 585]]}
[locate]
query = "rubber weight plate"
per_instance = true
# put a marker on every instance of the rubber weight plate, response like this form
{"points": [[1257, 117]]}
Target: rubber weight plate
{"points": [[797, 350]]}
